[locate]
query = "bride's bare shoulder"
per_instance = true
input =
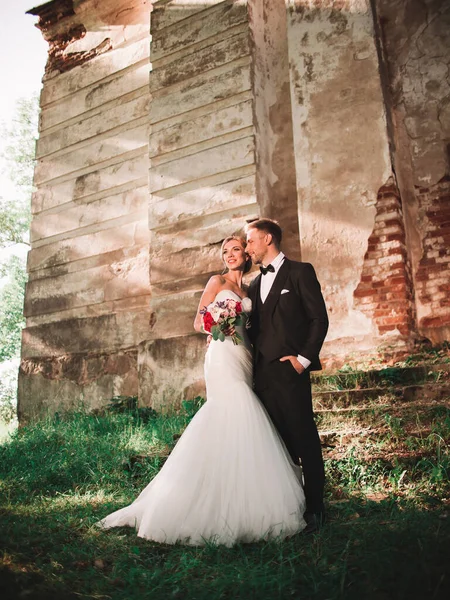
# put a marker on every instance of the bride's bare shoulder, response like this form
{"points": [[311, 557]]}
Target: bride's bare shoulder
{"points": [[215, 283], [217, 279]]}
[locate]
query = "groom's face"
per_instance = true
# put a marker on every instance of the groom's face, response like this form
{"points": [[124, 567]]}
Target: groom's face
{"points": [[257, 245]]}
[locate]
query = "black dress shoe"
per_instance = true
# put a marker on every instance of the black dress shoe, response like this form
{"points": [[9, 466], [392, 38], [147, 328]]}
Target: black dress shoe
{"points": [[314, 522]]}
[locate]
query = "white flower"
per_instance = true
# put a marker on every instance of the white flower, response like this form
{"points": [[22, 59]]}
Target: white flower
{"points": [[215, 312]]}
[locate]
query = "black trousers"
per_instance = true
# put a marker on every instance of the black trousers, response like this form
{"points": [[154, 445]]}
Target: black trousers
{"points": [[287, 398]]}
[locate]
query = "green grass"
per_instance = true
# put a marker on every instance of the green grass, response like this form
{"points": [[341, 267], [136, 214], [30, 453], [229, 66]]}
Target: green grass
{"points": [[388, 534]]}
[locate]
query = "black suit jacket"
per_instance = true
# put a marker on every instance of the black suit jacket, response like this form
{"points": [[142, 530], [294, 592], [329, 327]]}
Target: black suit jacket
{"points": [[293, 322]]}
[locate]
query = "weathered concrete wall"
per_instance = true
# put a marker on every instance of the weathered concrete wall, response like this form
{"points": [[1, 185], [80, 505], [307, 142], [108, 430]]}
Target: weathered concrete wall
{"points": [[87, 300], [202, 177], [275, 173], [415, 40], [330, 115], [341, 153]]}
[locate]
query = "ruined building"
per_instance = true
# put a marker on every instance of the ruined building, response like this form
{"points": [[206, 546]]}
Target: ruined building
{"points": [[166, 125]]}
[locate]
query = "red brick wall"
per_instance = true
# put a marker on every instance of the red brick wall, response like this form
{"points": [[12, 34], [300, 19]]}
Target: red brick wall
{"points": [[433, 274], [384, 292]]}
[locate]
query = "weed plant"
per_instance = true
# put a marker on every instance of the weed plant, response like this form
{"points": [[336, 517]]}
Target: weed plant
{"points": [[387, 537]]}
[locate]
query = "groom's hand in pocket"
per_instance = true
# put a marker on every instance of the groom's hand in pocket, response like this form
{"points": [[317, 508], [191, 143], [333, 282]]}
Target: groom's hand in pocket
{"points": [[294, 362]]}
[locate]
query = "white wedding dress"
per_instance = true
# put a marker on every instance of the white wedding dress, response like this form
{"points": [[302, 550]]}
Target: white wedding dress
{"points": [[229, 478]]}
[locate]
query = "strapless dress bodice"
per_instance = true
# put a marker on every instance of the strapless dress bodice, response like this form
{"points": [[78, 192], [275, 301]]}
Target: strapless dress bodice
{"points": [[229, 294]]}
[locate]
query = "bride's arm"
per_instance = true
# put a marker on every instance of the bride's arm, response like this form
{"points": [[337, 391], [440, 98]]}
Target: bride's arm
{"points": [[209, 293]]}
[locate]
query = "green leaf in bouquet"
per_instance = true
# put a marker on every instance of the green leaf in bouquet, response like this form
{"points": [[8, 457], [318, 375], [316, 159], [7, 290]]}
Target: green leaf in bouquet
{"points": [[221, 336], [215, 331]]}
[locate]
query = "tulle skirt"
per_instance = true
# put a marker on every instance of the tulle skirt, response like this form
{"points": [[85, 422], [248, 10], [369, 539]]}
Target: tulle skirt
{"points": [[229, 478]]}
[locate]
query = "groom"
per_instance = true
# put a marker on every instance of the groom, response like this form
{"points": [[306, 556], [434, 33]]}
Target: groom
{"points": [[288, 327]]}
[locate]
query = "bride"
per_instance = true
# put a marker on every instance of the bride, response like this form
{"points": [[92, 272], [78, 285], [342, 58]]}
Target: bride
{"points": [[229, 478]]}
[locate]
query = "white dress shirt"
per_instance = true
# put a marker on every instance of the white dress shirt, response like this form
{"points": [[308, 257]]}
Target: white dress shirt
{"points": [[266, 285], [268, 279]]}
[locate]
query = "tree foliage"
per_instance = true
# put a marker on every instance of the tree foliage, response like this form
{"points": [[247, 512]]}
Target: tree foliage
{"points": [[11, 307], [8, 392], [18, 156], [14, 223], [21, 141]]}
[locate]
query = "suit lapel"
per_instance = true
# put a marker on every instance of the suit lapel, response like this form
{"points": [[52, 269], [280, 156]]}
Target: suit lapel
{"points": [[254, 290], [277, 286]]}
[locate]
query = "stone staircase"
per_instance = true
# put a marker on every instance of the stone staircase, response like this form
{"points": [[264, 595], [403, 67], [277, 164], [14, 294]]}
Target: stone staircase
{"points": [[385, 412]]}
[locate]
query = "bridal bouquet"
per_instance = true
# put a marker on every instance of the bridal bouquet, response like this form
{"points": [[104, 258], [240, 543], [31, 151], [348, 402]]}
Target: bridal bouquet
{"points": [[220, 316]]}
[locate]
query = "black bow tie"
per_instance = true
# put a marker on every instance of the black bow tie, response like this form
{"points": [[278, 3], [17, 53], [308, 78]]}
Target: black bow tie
{"points": [[268, 269]]}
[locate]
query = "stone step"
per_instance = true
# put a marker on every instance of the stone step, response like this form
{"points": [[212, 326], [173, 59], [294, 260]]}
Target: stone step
{"points": [[381, 429], [389, 377], [375, 416], [399, 457], [379, 437], [373, 431], [376, 396], [402, 408]]}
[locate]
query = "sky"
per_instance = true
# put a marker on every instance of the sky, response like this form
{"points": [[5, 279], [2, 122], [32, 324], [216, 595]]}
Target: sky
{"points": [[23, 54]]}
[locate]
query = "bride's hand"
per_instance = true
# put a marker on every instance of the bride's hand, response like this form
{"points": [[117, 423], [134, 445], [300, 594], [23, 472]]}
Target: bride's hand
{"points": [[229, 331]]}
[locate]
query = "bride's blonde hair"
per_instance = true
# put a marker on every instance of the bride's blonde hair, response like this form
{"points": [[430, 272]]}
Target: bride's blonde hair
{"points": [[243, 243]]}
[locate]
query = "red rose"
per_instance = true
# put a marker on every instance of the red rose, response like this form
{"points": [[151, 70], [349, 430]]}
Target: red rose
{"points": [[208, 321], [238, 307]]}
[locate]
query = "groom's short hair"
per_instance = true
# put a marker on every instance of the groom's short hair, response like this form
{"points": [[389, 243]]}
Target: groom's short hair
{"points": [[267, 226]]}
